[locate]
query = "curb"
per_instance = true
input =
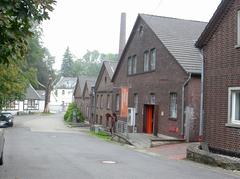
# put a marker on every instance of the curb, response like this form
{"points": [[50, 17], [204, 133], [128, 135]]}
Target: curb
{"points": [[194, 153]]}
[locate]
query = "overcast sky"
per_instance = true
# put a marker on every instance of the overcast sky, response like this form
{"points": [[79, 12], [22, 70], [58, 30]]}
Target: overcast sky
{"points": [[95, 24]]}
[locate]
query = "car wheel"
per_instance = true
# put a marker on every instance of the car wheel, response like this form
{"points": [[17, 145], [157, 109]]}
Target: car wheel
{"points": [[1, 159]]}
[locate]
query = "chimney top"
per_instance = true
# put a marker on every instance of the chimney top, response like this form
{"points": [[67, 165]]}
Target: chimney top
{"points": [[122, 40]]}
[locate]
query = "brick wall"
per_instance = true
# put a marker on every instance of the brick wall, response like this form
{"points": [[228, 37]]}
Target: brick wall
{"points": [[168, 77], [222, 64], [104, 89]]}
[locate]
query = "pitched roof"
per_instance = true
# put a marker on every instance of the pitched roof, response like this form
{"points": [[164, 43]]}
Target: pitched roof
{"points": [[213, 23], [110, 68], [31, 93], [66, 83], [41, 94], [179, 37], [88, 85], [81, 82]]}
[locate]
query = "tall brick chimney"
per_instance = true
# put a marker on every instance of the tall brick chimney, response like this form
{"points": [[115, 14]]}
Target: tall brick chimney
{"points": [[122, 40]]}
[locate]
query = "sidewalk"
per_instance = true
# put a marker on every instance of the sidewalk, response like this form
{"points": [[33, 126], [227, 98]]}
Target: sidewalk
{"points": [[171, 151]]}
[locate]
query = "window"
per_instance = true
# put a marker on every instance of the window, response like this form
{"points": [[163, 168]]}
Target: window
{"points": [[136, 102], [238, 28], [101, 120], [146, 61], [12, 105], [101, 101], [153, 59], [108, 101], [152, 98], [31, 104], [141, 30], [105, 79], [134, 64], [234, 105], [173, 105], [96, 119], [63, 92], [97, 101], [129, 65], [117, 102]]}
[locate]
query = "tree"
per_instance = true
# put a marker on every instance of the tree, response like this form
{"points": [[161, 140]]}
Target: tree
{"points": [[13, 83], [91, 63], [16, 20], [67, 64]]}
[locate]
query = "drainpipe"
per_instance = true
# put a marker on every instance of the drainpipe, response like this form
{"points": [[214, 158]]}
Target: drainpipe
{"points": [[183, 104], [94, 105], [201, 105]]}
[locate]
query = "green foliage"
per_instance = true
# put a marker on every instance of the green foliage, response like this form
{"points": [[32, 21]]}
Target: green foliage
{"points": [[67, 64], [91, 63], [16, 19], [40, 59], [68, 116], [13, 83], [102, 135]]}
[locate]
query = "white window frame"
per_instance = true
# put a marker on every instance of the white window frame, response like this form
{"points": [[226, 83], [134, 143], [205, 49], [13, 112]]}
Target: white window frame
{"points": [[153, 59], [230, 104], [108, 101], [238, 28], [173, 105], [134, 64], [146, 61], [129, 66]]}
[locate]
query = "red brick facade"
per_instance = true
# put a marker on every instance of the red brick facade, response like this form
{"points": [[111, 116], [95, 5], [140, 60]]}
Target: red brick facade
{"points": [[222, 70]]}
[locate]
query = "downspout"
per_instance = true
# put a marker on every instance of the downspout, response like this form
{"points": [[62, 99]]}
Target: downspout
{"points": [[183, 103], [94, 105], [202, 91]]}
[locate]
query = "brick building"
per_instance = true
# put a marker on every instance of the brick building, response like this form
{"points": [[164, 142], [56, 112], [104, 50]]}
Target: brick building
{"points": [[103, 92], [78, 91], [220, 44], [161, 68], [86, 99]]}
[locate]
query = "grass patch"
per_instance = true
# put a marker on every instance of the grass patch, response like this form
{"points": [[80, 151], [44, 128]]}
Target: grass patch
{"points": [[47, 113], [102, 135]]}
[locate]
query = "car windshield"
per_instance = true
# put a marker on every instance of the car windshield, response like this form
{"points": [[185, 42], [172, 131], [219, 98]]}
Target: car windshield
{"points": [[7, 114]]}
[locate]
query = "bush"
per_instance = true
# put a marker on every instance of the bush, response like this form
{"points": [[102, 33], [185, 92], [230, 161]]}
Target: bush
{"points": [[68, 116]]}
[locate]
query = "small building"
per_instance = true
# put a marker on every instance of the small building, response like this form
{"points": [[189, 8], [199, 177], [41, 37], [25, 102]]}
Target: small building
{"points": [[220, 44], [32, 102], [79, 89], [103, 93], [62, 94], [159, 76], [86, 99]]}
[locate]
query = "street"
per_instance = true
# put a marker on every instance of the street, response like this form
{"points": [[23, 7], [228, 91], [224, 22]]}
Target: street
{"points": [[41, 147]]}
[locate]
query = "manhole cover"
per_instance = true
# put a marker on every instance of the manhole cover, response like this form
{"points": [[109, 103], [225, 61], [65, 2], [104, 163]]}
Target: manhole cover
{"points": [[108, 162]]}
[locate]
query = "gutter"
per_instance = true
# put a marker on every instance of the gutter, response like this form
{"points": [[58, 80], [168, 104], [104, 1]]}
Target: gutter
{"points": [[183, 104], [201, 102]]}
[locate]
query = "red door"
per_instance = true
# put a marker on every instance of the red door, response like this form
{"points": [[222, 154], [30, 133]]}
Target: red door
{"points": [[149, 118]]}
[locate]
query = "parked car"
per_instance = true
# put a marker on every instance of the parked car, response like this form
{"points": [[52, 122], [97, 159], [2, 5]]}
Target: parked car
{"points": [[8, 118], [2, 140]]}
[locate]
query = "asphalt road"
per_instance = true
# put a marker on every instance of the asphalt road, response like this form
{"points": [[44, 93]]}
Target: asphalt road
{"points": [[58, 153]]}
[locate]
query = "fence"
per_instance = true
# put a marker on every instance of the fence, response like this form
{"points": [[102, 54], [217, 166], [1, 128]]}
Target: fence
{"points": [[122, 127]]}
